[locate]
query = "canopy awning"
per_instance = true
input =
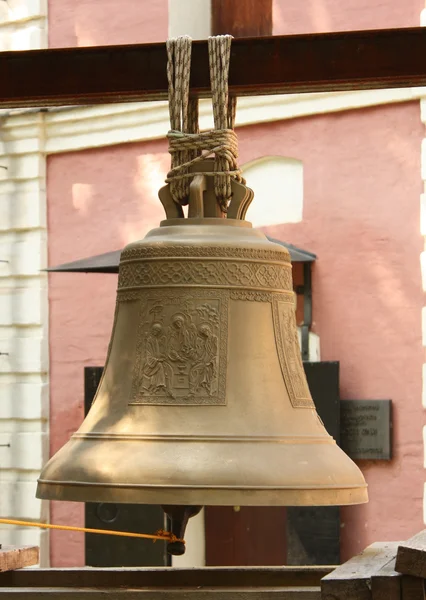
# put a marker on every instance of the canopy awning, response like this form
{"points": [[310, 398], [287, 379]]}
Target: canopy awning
{"points": [[109, 261]]}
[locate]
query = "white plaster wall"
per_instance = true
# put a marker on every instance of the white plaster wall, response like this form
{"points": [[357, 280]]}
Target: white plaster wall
{"points": [[23, 24], [24, 397]]}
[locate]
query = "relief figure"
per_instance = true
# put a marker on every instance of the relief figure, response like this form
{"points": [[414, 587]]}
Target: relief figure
{"points": [[203, 371], [157, 372], [183, 336]]}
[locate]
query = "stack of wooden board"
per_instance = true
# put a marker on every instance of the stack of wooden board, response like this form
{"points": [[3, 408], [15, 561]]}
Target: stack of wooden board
{"points": [[384, 571]]}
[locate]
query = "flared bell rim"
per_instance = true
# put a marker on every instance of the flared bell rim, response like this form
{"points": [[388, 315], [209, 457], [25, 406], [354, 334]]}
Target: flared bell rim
{"points": [[165, 471], [204, 495]]}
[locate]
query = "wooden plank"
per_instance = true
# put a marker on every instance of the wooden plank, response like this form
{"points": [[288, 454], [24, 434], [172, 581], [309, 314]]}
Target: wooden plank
{"points": [[244, 18], [413, 588], [264, 65], [386, 583], [352, 580], [411, 556], [49, 593], [18, 557], [259, 577]]}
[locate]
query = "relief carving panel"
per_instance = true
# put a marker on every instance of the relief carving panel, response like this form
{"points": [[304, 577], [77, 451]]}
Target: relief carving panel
{"points": [[289, 355], [181, 348]]}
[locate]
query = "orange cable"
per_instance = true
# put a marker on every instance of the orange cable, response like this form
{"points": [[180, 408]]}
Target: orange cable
{"points": [[159, 535]]}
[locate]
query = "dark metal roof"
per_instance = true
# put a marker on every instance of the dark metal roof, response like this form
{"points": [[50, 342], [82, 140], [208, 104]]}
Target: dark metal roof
{"points": [[109, 262], [296, 254]]}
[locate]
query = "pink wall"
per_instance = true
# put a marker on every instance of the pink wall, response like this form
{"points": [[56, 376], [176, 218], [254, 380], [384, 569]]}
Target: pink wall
{"points": [[361, 217], [94, 23], [316, 16], [98, 23]]}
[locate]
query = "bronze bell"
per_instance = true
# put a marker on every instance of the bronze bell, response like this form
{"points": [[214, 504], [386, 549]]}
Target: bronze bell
{"points": [[203, 400]]}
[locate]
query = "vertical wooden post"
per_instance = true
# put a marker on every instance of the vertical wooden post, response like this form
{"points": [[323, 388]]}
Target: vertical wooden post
{"points": [[246, 535], [242, 18]]}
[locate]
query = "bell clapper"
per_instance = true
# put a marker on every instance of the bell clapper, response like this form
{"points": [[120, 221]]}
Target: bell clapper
{"points": [[179, 517]]}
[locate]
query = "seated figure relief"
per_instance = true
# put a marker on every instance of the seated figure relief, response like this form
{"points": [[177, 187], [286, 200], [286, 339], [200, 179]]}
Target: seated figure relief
{"points": [[181, 353]]}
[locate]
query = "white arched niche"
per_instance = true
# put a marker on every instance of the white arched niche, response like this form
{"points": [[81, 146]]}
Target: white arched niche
{"points": [[277, 183]]}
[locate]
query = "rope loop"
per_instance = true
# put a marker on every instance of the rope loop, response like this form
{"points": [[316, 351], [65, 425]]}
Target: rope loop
{"points": [[183, 111], [186, 145]]}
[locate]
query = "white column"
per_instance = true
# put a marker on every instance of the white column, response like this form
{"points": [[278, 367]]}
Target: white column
{"points": [[23, 24], [24, 363], [190, 17]]}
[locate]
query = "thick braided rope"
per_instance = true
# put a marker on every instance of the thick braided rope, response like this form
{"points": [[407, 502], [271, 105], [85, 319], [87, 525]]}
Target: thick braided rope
{"points": [[186, 145], [224, 109], [183, 112]]}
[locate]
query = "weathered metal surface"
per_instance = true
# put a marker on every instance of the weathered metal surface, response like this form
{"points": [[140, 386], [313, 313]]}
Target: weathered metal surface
{"points": [[263, 65], [366, 429], [204, 400]]}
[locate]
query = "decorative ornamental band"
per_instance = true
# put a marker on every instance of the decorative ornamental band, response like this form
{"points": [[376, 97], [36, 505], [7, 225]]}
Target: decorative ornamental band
{"points": [[189, 251], [228, 274]]}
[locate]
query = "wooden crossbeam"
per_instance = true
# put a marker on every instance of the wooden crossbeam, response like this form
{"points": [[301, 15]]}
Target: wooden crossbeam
{"points": [[266, 65]]}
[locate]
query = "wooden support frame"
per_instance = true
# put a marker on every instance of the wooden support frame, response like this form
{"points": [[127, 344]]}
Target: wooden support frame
{"points": [[267, 65], [244, 18], [208, 583]]}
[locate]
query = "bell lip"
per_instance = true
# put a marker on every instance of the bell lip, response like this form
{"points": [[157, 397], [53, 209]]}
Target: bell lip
{"points": [[204, 495]]}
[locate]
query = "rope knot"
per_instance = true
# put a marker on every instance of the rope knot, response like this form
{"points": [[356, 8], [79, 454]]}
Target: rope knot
{"points": [[222, 143]]}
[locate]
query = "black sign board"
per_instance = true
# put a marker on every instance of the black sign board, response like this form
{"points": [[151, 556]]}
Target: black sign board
{"points": [[365, 429]]}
